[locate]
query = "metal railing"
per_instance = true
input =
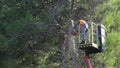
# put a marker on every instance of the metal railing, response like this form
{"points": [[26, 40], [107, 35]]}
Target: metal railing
{"points": [[91, 36]]}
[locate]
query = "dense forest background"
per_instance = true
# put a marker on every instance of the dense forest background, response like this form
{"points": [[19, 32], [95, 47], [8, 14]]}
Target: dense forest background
{"points": [[29, 34]]}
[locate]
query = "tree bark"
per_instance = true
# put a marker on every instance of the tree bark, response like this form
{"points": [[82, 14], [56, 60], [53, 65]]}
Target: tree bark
{"points": [[63, 48], [71, 45]]}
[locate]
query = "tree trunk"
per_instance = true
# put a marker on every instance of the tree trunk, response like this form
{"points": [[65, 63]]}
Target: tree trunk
{"points": [[71, 45], [63, 48]]}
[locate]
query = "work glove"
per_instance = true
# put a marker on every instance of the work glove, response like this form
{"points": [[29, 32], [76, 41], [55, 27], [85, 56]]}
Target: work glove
{"points": [[86, 30]]}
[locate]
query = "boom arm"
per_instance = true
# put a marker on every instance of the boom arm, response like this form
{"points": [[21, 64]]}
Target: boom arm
{"points": [[87, 61]]}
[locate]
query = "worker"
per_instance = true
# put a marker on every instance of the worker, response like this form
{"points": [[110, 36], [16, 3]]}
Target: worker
{"points": [[83, 29]]}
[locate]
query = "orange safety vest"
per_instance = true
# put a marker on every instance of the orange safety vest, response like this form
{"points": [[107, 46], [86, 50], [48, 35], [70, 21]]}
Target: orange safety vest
{"points": [[81, 23]]}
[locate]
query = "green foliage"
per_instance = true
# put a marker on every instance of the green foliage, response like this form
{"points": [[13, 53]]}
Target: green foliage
{"points": [[108, 14], [22, 45], [27, 40], [3, 43], [112, 45]]}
